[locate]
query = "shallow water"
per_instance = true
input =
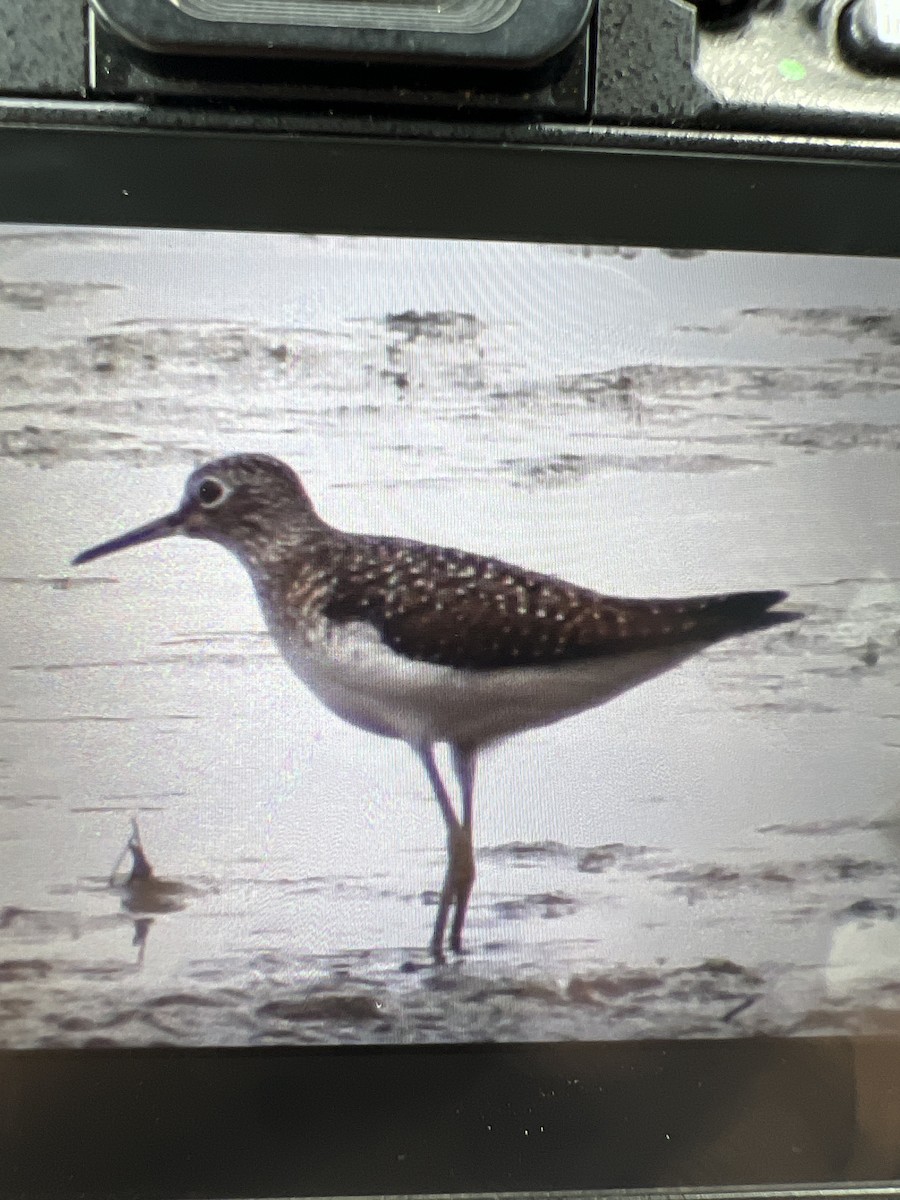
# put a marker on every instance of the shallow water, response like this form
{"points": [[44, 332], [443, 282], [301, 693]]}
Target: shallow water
{"points": [[714, 854]]}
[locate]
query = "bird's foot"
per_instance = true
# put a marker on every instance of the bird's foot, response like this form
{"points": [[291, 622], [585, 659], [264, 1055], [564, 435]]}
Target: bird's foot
{"points": [[436, 949]]}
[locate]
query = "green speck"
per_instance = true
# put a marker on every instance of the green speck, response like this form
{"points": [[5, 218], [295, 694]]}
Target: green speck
{"points": [[792, 70]]}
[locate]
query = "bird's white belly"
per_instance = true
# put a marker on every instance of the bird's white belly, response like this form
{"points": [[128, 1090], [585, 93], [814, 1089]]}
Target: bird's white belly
{"points": [[359, 678]]}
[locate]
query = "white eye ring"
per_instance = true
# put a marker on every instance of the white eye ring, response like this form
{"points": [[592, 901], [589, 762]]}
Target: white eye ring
{"points": [[212, 492]]}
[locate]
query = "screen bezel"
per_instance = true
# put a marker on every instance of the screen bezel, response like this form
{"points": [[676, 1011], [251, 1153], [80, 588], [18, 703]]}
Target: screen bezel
{"points": [[164, 1122], [735, 193]]}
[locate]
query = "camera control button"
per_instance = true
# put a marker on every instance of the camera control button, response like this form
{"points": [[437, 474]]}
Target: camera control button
{"points": [[870, 34]]}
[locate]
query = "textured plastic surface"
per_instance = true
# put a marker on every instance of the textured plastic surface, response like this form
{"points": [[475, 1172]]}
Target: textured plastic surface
{"points": [[42, 48], [646, 62], [532, 33], [784, 69], [781, 69]]}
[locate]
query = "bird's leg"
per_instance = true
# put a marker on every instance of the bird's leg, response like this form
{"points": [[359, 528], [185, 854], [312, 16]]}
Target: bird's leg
{"points": [[456, 841], [464, 875]]}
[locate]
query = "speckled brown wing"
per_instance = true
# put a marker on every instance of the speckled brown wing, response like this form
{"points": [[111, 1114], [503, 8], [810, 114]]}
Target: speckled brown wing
{"points": [[462, 610]]}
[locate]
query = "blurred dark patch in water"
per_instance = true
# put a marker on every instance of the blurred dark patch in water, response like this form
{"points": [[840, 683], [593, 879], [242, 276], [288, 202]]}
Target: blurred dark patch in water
{"points": [[526, 990], [596, 859], [524, 853], [841, 581], [229, 637], [446, 326], [614, 391], [35, 296], [594, 862], [548, 905], [90, 1025], [838, 435], [221, 658], [787, 706], [589, 860], [23, 970], [871, 908], [845, 867], [89, 719], [696, 881], [57, 583], [152, 795], [626, 253], [829, 828], [47, 447], [564, 467], [33, 924], [24, 800], [117, 808], [708, 875], [598, 989], [702, 382], [847, 322], [323, 1007], [187, 1000]]}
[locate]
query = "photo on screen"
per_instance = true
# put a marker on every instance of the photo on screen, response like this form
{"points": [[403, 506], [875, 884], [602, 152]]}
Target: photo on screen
{"points": [[415, 641]]}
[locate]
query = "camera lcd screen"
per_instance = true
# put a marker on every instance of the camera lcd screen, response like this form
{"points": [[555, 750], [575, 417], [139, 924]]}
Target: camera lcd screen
{"points": [[597, 544]]}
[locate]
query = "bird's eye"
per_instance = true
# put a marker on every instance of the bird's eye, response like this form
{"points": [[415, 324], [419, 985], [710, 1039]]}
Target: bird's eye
{"points": [[211, 493]]}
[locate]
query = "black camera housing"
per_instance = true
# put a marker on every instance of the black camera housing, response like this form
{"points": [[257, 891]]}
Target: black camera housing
{"points": [[756, 66]]}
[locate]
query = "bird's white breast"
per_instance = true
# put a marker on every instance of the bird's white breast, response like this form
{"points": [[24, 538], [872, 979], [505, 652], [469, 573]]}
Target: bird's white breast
{"points": [[350, 669]]}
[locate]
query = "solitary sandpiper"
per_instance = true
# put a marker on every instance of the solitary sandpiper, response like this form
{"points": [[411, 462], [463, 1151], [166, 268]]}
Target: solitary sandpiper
{"points": [[434, 645]]}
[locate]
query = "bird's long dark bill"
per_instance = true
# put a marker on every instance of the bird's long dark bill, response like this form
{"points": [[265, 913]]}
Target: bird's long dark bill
{"points": [[151, 532]]}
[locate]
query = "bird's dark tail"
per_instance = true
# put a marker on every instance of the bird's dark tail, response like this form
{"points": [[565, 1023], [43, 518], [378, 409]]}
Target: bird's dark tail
{"points": [[741, 612]]}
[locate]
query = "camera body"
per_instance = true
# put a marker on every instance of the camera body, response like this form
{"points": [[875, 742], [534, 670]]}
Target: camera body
{"points": [[749, 125], [692, 74]]}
